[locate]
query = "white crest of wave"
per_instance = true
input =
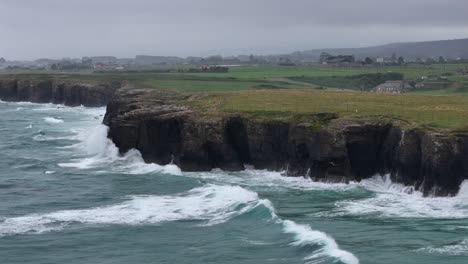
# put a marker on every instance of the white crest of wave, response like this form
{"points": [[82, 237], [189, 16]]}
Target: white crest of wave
{"points": [[304, 236], [458, 249], [100, 151], [398, 201], [213, 203], [53, 120], [270, 179]]}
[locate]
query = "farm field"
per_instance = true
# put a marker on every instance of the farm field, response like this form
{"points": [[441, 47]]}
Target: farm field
{"points": [[265, 77], [437, 111]]}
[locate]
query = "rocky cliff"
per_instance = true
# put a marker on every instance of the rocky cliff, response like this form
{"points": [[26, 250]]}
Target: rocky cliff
{"points": [[165, 130], [55, 91]]}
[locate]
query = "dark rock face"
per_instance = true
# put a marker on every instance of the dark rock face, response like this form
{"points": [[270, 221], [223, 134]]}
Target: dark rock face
{"points": [[341, 151], [50, 91]]}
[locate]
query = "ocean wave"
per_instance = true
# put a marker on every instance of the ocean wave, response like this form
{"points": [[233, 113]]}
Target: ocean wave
{"points": [[324, 246], [100, 151], [211, 204], [269, 179], [53, 120], [305, 236], [456, 249], [393, 200]]}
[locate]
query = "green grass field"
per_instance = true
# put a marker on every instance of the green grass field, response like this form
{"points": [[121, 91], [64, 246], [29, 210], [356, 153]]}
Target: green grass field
{"points": [[263, 77], [410, 71], [275, 77], [412, 109], [282, 92]]}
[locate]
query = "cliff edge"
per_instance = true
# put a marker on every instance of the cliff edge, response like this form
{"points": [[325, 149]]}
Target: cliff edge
{"points": [[70, 93], [166, 128]]}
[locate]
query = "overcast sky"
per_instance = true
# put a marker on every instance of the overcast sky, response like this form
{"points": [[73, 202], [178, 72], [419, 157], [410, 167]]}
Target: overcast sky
{"points": [[31, 29]]}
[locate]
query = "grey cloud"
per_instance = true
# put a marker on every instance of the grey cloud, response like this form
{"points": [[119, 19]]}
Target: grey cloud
{"points": [[56, 28]]}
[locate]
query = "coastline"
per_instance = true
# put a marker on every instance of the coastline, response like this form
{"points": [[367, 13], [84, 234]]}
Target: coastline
{"points": [[323, 146]]}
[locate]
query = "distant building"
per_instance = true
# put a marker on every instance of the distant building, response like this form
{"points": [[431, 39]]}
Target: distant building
{"points": [[380, 60], [326, 58], [394, 87]]}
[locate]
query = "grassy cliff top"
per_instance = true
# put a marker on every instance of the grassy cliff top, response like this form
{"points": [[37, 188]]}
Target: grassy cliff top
{"points": [[413, 109]]}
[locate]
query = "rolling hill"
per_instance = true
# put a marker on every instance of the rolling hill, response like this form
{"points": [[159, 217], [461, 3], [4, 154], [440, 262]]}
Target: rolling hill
{"points": [[412, 50]]}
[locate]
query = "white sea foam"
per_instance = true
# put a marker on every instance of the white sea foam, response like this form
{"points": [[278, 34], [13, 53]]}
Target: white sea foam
{"points": [[304, 236], [100, 151], [270, 179], [53, 120], [457, 249], [211, 204], [398, 201]]}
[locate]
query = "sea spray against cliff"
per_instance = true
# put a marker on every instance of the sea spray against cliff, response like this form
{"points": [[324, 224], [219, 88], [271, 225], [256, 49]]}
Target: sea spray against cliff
{"points": [[100, 151], [270, 179], [392, 200]]}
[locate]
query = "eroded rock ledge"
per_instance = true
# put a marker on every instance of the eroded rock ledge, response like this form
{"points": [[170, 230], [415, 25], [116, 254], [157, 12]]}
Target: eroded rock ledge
{"points": [[165, 131], [55, 91]]}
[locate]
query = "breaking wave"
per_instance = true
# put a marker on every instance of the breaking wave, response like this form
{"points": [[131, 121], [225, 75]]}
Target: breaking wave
{"points": [[212, 204], [304, 236], [269, 179], [393, 200], [99, 151]]}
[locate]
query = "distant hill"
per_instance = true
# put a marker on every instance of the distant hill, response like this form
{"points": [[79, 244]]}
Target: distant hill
{"points": [[411, 50]]}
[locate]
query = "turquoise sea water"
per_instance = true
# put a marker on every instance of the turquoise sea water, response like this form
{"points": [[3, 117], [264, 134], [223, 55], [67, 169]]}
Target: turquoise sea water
{"points": [[66, 196]]}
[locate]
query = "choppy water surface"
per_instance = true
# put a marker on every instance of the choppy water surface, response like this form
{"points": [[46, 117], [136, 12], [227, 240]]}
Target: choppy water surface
{"points": [[66, 196]]}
